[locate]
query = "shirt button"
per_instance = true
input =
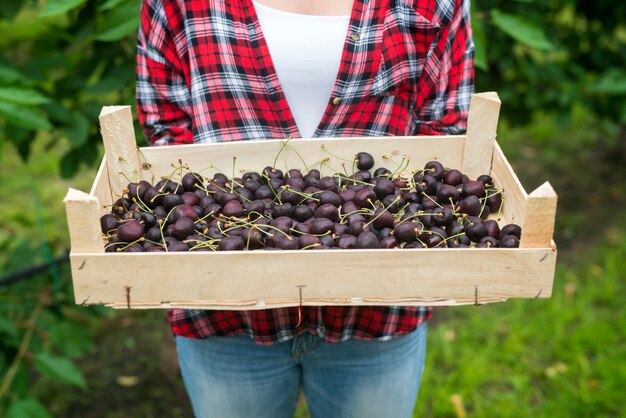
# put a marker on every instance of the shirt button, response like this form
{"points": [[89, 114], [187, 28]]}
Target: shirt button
{"points": [[355, 36], [336, 101]]}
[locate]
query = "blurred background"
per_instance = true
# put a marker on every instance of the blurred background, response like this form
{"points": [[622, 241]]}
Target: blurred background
{"points": [[559, 67]]}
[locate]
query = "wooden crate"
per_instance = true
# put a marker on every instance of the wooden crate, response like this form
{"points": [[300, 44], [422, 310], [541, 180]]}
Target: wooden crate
{"points": [[267, 279]]}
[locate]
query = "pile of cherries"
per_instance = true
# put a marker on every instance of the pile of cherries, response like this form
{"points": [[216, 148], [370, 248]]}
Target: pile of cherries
{"points": [[435, 207]]}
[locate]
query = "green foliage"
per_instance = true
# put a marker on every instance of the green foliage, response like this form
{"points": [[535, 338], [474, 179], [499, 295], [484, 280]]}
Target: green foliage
{"points": [[62, 60], [546, 57], [60, 369], [28, 408]]}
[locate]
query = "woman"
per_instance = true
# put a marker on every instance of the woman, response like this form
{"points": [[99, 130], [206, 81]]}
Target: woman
{"points": [[211, 71]]}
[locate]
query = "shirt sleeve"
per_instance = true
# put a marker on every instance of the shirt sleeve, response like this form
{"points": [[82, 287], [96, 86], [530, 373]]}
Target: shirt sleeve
{"points": [[445, 107], [162, 93]]}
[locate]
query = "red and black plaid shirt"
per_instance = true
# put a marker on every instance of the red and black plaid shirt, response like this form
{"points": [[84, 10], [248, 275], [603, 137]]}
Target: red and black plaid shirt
{"points": [[204, 74]]}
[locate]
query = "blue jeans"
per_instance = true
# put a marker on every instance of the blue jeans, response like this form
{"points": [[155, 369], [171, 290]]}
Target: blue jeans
{"points": [[231, 377]]}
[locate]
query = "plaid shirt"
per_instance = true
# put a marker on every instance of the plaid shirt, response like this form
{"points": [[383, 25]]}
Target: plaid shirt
{"points": [[204, 74]]}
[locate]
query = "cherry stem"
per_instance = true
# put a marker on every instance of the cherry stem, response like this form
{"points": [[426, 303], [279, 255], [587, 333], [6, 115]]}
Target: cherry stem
{"points": [[306, 167], [433, 200], [308, 247], [325, 148]]}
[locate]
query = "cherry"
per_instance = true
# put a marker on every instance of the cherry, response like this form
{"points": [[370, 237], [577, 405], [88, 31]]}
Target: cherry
{"points": [[441, 217], [191, 181], [473, 188], [287, 242], [367, 239], [509, 241], [328, 183], [425, 183], [453, 177], [327, 211], [382, 218], [492, 227], [346, 241], [108, 223], [328, 196], [407, 231], [231, 243], [447, 193], [474, 228], [286, 209], [511, 229], [273, 173], [486, 180], [488, 241], [263, 192], [364, 161], [435, 169], [470, 205], [307, 240], [130, 231], [252, 238], [183, 228], [321, 226], [365, 198], [382, 172], [459, 241], [233, 208], [383, 187], [389, 242]]}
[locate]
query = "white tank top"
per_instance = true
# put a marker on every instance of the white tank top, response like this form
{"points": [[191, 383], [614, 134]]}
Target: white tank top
{"points": [[306, 52]]}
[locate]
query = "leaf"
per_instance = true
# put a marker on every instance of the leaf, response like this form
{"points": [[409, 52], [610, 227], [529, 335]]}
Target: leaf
{"points": [[8, 327], [57, 7], [70, 338], [28, 408], [26, 117], [58, 113], [8, 9], [480, 45], [611, 83], [78, 130], [59, 368], [24, 252], [113, 83], [520, 29], [110, 4], [9, 74], [70, 163], [119, 31], [22, 95], [121, 21]]}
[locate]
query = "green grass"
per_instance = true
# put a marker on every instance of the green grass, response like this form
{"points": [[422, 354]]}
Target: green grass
{"points": [[561, 356]]}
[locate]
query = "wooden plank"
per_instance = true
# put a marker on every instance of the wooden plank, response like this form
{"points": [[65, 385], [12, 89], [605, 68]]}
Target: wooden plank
{"points": [[253, 305], [482, 125], [101, 189], [84, 222], [256, 155], [259, 279], [514, 207], [118, 135], [539, 217]]}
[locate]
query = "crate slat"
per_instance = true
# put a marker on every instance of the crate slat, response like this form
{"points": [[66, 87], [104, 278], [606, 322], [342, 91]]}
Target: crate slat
{"points": [[83, 220], [514, 207], [262, 279], [120, 147], [482, 125], [255, 155], [539, 217]]}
